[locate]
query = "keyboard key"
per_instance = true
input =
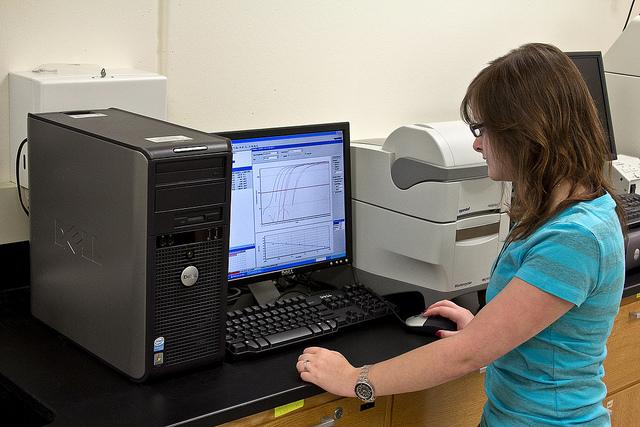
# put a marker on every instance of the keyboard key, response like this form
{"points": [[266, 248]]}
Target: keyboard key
{"points": [[238, 347], [262, 342], [315, 328], [252, 344], [292, 334], [324, 326]]}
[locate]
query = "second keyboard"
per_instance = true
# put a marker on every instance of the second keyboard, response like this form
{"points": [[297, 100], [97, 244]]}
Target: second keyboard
{"points": [[631, 206]]}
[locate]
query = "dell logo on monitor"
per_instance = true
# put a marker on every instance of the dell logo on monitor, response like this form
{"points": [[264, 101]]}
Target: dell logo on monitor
{"points": [[78, 241]]}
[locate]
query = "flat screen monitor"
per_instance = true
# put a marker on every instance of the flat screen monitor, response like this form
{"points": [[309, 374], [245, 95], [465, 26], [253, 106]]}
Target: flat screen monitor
{"points": [[290, 201], [591, 67]]}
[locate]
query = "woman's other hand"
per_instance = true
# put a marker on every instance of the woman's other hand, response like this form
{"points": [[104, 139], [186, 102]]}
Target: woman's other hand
{"points": [[329, 370], [445, 308]]}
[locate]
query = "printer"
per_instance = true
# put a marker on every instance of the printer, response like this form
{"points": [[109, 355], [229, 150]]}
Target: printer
{"points": [[622, 72], [427, 217]]}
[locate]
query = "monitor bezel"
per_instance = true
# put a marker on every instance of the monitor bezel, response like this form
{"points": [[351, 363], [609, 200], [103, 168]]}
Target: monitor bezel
{"points": [[293, 130], [613, 154]]}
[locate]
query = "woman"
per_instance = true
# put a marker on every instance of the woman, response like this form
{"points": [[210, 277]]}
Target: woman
{"points": [[556, 286]]}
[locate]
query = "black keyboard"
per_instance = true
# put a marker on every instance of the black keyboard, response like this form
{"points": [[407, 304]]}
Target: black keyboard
{"points": [[262, 328], [631, 206]]}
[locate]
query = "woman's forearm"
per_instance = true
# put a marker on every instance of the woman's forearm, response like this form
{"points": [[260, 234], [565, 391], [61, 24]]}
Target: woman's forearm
{"points": [[425, 367]]}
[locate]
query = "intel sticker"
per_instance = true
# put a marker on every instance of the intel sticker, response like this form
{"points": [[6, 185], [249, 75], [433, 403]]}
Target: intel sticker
{"points": [[158, 344]]}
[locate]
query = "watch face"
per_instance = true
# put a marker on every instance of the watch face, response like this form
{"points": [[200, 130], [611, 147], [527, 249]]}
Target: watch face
{"points": [[364, 391]]}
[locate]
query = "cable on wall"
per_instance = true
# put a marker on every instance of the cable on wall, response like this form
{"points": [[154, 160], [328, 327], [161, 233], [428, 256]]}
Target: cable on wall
{"points": [[24, 208], [629, 15]]}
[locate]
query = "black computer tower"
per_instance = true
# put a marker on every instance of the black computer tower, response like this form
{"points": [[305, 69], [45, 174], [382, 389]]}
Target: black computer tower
{"points": [[129, 222]]}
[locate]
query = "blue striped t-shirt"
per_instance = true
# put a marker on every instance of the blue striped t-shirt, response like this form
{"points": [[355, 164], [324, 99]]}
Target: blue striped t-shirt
{"points": [[555, 378]]}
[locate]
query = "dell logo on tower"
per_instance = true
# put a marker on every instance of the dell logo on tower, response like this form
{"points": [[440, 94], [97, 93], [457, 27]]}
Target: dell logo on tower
{"points": [[78, 241], [189, 276]]}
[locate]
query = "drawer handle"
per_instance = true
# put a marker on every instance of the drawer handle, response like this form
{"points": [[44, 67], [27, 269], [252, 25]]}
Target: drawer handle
{"points": [[330, 421], [326, 422], [634, 314]]}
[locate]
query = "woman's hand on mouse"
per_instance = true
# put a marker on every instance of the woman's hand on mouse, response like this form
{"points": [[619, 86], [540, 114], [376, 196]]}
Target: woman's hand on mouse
{"points": [[445, 308]]}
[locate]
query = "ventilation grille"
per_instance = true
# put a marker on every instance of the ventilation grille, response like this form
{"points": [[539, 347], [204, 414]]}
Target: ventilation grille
{"points": [[189, 317]]}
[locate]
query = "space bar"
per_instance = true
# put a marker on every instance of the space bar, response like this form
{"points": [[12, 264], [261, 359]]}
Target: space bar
{"points": [[290, 335]]}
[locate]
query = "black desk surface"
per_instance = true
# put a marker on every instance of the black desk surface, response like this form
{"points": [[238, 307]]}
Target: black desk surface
{"points": [[80, 390]]}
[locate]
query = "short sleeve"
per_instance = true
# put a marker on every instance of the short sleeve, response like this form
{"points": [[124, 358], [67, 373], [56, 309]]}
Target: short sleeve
{"points": [[563, 260]]}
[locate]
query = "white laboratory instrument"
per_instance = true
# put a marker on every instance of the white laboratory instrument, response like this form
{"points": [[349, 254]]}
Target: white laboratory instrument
{"points": [[426, 215]]}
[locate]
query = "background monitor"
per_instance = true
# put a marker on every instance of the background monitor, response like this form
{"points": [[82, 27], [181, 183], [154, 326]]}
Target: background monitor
{"points": [[290, 201], [591, 67]]}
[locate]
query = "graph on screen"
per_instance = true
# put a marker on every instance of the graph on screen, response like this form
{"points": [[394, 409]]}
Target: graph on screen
{"points": [[296, 242], [294, 192]]}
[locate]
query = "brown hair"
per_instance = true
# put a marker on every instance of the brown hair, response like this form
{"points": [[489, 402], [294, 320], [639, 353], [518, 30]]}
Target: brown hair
{"points": [[543, 127]]}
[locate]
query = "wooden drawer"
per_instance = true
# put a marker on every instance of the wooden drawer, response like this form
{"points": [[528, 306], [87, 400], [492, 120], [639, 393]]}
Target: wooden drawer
{"points": [[624, 407], [622, 365], [456, 403], [322, 408]]}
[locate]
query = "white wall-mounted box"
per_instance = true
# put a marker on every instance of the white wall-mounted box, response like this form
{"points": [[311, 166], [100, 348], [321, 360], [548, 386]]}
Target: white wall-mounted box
{"points": [[78, 88]]}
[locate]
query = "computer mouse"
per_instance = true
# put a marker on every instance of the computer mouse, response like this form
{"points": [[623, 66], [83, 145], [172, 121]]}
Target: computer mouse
{"points": [[429, 325]]}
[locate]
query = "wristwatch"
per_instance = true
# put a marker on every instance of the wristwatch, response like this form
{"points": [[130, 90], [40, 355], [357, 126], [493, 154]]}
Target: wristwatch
{"points": [[364, 389]]}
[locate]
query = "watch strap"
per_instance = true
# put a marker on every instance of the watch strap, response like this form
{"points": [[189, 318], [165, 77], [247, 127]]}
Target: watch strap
{"points": [[364, 389], [364, 374]]}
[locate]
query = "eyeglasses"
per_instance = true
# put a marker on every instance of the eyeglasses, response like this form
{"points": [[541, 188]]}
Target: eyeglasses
{"points": [[477, 129]]}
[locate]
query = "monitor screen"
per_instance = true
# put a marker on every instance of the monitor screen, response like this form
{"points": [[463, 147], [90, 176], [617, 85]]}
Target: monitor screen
{"points": [[591, 67], [290, 200]]}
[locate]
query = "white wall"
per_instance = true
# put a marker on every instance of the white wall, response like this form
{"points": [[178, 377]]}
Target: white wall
{"points": [[235, 64], [378, 64], [116, 33]]}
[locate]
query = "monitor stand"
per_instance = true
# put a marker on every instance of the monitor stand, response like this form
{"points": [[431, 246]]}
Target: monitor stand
{"points": [[264, 292]]}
